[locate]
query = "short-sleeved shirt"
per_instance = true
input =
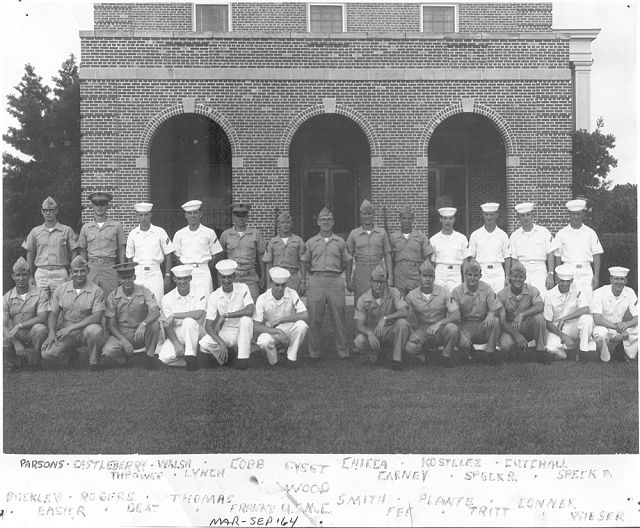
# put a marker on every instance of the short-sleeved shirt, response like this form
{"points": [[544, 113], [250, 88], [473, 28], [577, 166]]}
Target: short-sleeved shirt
{"points": [[576, 245], [557, 305], [449, 249], [102, 242], [268, 308], [414, 247], [474, 306], [611, 307], [368, 247], [514, 304], [196, 247], [131, 311], [16, 309], [220, 302], [243, 249], [327, 256], [51, 247], [489, 247], [532, 245], [429, 309], [373, 309], [148, 247], [76, 306], [286, 255], [173, 303]]}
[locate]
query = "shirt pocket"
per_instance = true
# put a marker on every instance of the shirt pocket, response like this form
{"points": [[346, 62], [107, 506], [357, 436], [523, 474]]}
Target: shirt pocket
{"points": [[233, 243]]}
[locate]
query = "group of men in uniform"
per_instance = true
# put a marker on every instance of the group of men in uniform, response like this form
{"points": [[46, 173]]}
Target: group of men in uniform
{"points": [[488, 297]]}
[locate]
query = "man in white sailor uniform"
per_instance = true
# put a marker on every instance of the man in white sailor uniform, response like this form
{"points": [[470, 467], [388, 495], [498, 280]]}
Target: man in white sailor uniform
{"points": [[449, 250]]}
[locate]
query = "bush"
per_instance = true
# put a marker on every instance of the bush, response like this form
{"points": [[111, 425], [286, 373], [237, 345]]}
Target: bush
{"points": [[620, 249]]}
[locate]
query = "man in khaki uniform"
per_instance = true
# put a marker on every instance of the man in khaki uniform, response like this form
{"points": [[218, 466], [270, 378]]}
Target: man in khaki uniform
{"points": [[285, 251]]}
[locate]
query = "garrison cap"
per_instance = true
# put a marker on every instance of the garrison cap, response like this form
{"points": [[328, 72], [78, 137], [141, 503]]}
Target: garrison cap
{"points": [[490, 207], [325, 212], [366, 206], [618, 271], [378, 273], [524, 207], [191, 205], [565, 272], [49, 203], [21, 265], [100, 196], [576, 205], [279, 275], [405, 209], [227, 267], [125, 268], [79, 262], [143, 207], [473, 264], [240, 207], [447, 211], [284, 215], [426, 266], [183, 270], [516, 265]]}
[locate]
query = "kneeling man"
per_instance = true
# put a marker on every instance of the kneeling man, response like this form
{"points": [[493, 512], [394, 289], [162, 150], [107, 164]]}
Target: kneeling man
{"points": [[520, 315], [381, 318], [435, 314], [477, 305], [183, 311], [280, 318], [615, 314], [566, 311], [132, 319], [229, 323]]}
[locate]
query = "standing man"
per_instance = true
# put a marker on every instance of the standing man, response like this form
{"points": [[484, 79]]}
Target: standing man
{"points": [[436, 315], [409, 248], [520, 315], [285, 251], [77, 307], [326, 258], [183, 310], [531, 246], [449, 250], [280, 319], [478, 307], [148, 246], [578, 245], [197, 245], [229, 323], [132, 319], [615, 313], [245, 245], [566, 310], [50, 249], [381, 319], [369, 246], [489, 245], [25, 309], [102, 244]]}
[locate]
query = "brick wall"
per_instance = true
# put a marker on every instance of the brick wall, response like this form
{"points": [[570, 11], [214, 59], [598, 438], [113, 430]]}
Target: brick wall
{"points": [[269, 16], [148, 17]]}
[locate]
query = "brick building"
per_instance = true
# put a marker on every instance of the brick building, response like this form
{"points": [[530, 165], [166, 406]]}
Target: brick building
{"points": [[292, 105]]}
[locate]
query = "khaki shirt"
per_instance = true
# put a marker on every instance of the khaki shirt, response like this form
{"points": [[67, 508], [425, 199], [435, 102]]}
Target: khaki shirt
{"points": [[16, 310], [74, 307], [327, 256], [286, 255], [373, 309], [102, 242], [51, 248], [514, 304], [430, 311], [243, 249], [368, 247], [130, 311], [414, 248], [474, 306]]}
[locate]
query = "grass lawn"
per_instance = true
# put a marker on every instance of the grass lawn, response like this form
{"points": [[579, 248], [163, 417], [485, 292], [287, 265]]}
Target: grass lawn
{"points": [[332, 406]]}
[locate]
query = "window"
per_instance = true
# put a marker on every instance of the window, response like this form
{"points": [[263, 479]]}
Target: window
{"points": [[212, 17], [326, 18], [439, 19]]}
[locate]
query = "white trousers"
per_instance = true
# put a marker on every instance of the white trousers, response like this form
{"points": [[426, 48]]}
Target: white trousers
{"points": [[493, 276], [582, 279], [448, 278], [295, 331], [537, 275], [201, 278], [576, 328], [151, 279], [232, 336], [188, 333], [602, 335]]}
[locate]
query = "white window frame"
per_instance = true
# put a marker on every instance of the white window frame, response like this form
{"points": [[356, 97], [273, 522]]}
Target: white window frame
{"points": [[455, 15], [328, 4], [210, 2]]}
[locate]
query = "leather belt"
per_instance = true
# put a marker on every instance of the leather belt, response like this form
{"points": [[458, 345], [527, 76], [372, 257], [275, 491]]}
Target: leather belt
{"points": [[102, 260], [408, 262], [50, 267], [197, 264], [240, 273], [325, 273]]}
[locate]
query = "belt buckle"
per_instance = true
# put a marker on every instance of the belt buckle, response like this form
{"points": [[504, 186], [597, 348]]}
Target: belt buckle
{"points": [[489, 266], [579, 266], [195, 265], [449, 267], [147, 268]]}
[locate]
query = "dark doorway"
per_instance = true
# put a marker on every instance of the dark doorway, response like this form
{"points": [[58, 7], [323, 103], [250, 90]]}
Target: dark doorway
{"points": [[329, 165], [190, 159]]}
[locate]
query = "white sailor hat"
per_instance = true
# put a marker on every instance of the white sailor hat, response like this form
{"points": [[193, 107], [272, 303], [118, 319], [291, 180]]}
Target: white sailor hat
{"points": [[490, 207], [279, 275], [576, 205], [524, 207], [227, 267], [447, 211], [618, 271], [143, 207], [565, 272], [183, 270], [191, 205]]}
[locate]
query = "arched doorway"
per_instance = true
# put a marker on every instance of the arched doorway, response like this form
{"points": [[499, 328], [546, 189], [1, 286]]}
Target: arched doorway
{"points": [[190, 158], [467, 167], [329, 164]]}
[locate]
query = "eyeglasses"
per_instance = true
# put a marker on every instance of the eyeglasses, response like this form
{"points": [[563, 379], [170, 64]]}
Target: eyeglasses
{"points": [[49, 210], [100, 203]]}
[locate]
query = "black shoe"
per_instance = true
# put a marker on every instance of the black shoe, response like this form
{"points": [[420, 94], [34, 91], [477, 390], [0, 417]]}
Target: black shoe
{"points": [[192, 363], [95, 367], [242, 364], [581, 357], [447, 362], [290, 364], [494, 360], [396, 365], [13, 368], [73, 357], [543, 357], [150, 363]]}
